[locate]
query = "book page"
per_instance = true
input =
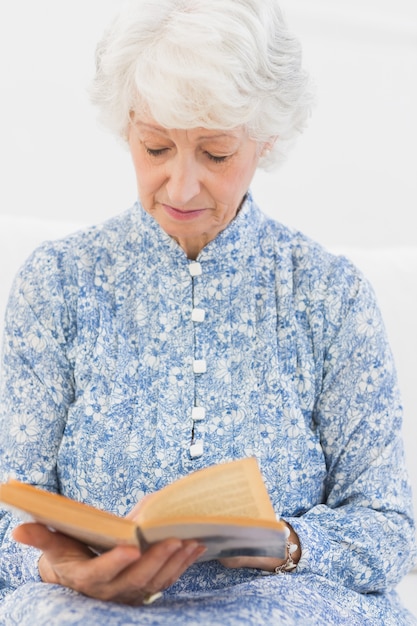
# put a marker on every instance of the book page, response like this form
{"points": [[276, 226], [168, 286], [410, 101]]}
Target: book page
{"points": [[233, 489]]}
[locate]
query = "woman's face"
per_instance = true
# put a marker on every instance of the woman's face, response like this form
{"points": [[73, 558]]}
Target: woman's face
{"points": [[191, 181]]}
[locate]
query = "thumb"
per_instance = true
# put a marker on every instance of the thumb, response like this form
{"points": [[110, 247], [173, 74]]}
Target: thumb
{"points": [[46, 540]]}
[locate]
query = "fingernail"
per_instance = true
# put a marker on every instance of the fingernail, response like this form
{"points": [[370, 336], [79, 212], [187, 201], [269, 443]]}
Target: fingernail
{"points": [[151, 598], [174, 546], [190, 548], [201, 550]]}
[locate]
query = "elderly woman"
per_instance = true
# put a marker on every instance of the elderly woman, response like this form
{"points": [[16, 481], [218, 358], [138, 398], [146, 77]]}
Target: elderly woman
{"points": [[192, 330]]}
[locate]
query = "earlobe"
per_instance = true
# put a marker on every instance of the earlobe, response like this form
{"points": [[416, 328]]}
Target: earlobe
{"points": [[267, 147]]}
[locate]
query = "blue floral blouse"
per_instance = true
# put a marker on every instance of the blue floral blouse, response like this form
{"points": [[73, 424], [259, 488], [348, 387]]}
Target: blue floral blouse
{"points": [[126, 366]]}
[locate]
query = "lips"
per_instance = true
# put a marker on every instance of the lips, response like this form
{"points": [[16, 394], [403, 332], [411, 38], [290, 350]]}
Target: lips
{"points": [[182, 215]]}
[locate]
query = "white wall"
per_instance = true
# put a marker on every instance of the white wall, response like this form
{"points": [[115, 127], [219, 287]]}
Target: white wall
{"points": [[352, 178]]}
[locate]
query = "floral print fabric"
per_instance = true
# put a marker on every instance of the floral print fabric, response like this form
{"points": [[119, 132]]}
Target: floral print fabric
{"points": [[126, 366]]}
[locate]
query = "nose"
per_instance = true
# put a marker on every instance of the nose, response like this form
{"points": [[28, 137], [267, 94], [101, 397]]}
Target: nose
{"points": [[183, 181]]}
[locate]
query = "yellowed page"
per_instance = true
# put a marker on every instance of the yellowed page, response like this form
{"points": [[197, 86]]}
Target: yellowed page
{"points": [[230, 489], [86, 523]]}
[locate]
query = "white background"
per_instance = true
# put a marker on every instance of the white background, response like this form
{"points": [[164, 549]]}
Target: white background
{"points": [[351, 180]]}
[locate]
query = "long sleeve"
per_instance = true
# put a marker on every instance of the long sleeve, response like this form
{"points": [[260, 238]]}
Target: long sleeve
{"points": [[363, 535], [36, 389]]}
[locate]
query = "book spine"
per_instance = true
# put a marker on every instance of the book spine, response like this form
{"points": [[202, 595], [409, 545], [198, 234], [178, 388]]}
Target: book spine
{"points": [[142, 543]]}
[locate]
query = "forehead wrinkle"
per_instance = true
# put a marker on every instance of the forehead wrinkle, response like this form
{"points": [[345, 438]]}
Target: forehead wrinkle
{"points": [[146, 126], [203, 137]]}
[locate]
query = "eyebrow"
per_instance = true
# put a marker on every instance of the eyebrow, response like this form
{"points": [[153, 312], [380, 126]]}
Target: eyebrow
{"points": [[163, 131], [218, 136]]}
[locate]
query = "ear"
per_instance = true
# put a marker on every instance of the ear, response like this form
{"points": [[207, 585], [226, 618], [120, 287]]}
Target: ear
{"points": [[267, 146]]}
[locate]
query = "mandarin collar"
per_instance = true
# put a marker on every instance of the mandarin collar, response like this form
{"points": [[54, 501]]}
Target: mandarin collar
{"points": [[229, 246]]}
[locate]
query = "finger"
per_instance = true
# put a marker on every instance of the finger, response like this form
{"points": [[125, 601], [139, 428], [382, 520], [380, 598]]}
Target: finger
{"points": [[128, 584], [175, 566], [232, 562], [124, 567], [32, 534], [154, 559], [113, 563], [61, 551], [46, 540], [254, 562], [169, 559]]}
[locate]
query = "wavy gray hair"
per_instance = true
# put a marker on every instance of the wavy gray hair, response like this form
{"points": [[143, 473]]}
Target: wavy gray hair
{"points": [[211, 63]]}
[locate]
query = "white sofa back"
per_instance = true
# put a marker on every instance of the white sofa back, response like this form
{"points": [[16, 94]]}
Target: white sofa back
{"points": [[392, 272]]}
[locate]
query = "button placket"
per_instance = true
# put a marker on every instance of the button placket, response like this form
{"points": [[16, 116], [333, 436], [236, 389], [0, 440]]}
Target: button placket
{"points": [[198, 413]]}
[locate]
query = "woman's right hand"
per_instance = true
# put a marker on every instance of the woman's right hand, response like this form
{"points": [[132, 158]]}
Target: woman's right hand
{"points": [[121, 575]]}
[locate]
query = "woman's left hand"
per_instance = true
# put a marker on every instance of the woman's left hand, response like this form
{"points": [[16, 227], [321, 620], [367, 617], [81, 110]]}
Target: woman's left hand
{"points": [[267, 564]]}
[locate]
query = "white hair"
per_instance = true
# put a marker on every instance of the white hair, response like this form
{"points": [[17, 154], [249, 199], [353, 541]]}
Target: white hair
{"points": [[215, 64]]}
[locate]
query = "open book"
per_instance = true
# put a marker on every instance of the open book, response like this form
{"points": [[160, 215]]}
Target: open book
{"points": [[226, 507]]}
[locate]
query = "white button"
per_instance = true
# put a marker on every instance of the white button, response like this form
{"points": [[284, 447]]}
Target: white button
{"points": [[199, 413], [199, 366], [195, 268], [198, 315], [196, 450]]}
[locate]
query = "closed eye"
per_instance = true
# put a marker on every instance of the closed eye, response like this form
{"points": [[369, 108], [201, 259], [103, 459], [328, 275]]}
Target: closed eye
{"points": [[156, 152], [216, 159]]}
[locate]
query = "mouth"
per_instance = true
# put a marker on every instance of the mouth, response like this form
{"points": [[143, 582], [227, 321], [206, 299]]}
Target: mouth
{"points": [[183, 215]]}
